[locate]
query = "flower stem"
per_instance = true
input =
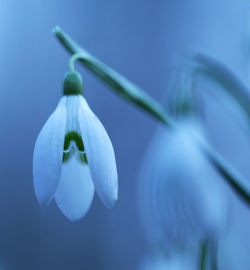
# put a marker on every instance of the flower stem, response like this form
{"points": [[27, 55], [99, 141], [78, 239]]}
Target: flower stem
{"points": [[203, 256], [116, 81], [229, 173], [74, 57], [141, 99], [208, 255]]}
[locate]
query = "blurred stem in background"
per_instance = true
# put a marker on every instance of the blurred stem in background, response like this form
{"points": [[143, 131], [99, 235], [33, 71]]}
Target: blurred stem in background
{"points": [[208, 255], [203, 255], [140, 98]]}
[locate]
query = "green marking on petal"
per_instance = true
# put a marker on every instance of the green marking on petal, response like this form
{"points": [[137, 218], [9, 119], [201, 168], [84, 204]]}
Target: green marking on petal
{"points": [[83, 157], [73, 136], [66, 156]]}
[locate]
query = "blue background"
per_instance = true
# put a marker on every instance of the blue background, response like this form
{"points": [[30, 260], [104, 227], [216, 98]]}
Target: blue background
{"points": [[145, 40]]}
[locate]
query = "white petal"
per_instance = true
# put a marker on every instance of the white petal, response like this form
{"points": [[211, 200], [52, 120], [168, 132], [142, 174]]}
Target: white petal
{"points": [[148, 186], [72, 107], [190, 200], [75, 191], [100, 155], [48, 153]]}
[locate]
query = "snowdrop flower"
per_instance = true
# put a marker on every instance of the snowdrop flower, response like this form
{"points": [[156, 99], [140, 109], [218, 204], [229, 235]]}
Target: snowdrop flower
{"points": [[181, 198], [73, 156]]}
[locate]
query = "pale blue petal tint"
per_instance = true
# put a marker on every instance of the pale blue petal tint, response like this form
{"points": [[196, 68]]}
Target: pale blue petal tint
{"points": [[75, 191], [48, 154], [181, 196], [100, 155], [191, 202], [147, 187], [178, 261], [208, 206], [72, 105]]}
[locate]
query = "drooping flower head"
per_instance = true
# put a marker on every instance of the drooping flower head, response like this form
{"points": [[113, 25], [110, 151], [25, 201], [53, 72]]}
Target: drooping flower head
{"points": [[182, 201], [74, 156]]}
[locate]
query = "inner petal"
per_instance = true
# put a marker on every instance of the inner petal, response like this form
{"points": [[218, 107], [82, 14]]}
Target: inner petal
{"points": [[73, 143], [73, 140], [72, 107]]}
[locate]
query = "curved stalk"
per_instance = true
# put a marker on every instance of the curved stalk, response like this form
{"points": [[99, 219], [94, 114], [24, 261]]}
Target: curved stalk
{"points": [[116, 81], [141, 99]]}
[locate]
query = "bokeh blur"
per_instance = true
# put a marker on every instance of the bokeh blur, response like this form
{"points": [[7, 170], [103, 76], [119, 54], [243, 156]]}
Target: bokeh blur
{"points": [[145, 40]]}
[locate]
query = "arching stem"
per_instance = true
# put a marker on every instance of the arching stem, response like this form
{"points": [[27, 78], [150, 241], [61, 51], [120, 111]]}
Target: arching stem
{"points": [[141, 99]]}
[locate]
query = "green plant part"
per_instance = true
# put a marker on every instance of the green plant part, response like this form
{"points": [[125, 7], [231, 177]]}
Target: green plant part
{"points": [[74, 137], [135, 95], [72, 84]]}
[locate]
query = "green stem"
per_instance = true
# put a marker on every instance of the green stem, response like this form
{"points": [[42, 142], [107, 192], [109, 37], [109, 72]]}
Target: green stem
{"points": [[208, 255], [116, 81], [74, 57], [136, 95], [229, 173], [203, 255]]}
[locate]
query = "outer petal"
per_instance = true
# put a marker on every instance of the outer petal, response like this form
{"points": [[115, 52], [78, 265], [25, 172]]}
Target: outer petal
{"points": [[75, 191], [100, 155], [191, 201], [48, 153], [148, 186]]}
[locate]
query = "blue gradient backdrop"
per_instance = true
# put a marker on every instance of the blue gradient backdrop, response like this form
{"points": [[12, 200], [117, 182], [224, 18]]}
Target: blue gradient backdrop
{"points": [[144, 40]]}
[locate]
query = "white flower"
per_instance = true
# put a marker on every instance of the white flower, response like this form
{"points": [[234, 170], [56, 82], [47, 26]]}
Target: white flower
{"points": [[73, 156], [181, 195]]}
